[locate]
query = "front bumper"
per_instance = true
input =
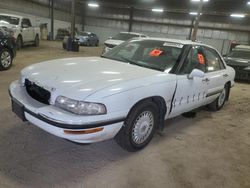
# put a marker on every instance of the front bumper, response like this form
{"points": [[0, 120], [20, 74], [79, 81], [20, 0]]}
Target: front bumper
{"points": [[242, 74], [61, 123]]}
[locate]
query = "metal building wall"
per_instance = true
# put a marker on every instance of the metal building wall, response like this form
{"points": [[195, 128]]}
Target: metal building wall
{"points": [[39, 13], [109, 21]]}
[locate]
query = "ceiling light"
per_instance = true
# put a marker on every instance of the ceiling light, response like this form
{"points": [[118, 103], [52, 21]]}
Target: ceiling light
{"points": [[238, 15], [157, 10], [248, 2], [193, 13], [93, 5], [199, 0]]}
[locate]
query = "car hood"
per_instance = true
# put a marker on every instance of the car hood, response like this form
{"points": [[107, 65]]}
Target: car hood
{"points": [[237, 62], [78, 78], [114, 42]]}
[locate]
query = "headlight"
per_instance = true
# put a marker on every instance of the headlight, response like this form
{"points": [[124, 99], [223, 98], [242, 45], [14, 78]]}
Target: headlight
{"points": [[80, 107]]}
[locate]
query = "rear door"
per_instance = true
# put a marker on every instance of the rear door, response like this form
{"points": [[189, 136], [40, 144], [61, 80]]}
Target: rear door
{"points": [[190, 93], [215, 74]]}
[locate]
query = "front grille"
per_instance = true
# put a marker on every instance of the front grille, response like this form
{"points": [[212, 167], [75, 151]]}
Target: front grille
{"points": [[110, 45], [36, 92]]}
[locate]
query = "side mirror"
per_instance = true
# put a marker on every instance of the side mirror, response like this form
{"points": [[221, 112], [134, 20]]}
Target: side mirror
{"points": [[196, 73], [110, 38], [224, 55]]}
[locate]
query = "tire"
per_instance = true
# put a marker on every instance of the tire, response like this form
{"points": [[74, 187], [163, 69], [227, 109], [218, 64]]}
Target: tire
{"points": [[97, 43], [36, 42], [220, 101], [6, 59], [19, 43], [139, 127]]}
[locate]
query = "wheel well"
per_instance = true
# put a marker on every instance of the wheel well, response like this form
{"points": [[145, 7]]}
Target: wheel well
{"points": [[161, 104], [20, 36]]}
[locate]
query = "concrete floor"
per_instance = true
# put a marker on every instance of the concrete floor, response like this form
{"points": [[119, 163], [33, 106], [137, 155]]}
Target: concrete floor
{"points": [[211, 150]]}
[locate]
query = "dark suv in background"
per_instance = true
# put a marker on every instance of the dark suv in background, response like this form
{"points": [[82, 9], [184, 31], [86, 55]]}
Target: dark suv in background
{"points": [[239, 59], [7, 48]]}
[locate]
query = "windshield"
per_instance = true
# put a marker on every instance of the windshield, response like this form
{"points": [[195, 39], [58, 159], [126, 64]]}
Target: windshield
{"points": [[124, 36], [153, 54], [82, 34], [242, 54], [9, 20]]}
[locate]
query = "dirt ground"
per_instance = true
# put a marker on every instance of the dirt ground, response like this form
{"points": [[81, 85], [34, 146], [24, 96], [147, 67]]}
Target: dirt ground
{"points": [[211, 150]]}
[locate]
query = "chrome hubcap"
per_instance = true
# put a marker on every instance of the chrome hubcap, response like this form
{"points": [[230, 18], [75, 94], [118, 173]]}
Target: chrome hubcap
{"points": [[5, 59], [142, 127], [222, 97]]}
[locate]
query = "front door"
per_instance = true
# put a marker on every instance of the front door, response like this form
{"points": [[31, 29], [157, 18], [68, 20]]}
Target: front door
{"points": [[26, 30], [190, 93]]}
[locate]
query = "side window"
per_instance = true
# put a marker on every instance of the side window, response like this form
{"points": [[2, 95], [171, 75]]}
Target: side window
{"points": [[194, 60], [26, 23], [128, 51], [214, 62]]}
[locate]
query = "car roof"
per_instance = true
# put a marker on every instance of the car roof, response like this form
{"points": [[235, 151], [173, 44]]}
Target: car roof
{"points": [[133, 33], [12, 15], [243, 47], [178, 41]]}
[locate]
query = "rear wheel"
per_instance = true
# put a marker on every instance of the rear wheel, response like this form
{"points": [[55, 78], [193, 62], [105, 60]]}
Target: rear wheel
{"points": [[97, 43], [19, 43], [220, 101], [139, 127], [5, 59]]}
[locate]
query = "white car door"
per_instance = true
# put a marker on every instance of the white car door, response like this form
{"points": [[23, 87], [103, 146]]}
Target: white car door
{"points": [[215, 74], [190, 93], [26, 30]]}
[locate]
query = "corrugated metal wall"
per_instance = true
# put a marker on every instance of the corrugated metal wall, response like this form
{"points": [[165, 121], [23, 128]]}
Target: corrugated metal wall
{"points": [[107, 22]]}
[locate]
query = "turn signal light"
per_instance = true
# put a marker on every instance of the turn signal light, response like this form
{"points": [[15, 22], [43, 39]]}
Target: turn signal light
{"points": [[87, 131]]}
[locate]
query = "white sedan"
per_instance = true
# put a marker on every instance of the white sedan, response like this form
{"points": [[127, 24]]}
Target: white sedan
{"points": [[126, 94]]}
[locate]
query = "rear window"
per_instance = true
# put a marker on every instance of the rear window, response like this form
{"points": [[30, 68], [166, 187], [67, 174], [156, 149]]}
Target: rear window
{"points": [[124, 36]]}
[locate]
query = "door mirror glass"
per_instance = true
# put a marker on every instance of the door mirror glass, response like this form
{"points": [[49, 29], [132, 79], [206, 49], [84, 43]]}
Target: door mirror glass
{"points": [[196, 73]]}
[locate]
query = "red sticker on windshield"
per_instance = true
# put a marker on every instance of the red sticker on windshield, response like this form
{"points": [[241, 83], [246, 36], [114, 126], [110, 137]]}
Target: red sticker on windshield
{"points": [[201, 59], [155, 53]]}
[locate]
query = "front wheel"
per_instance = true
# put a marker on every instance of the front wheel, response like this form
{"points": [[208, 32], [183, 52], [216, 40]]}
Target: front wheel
{"points": [[220, 101], [139, 127], [19, 43], [5, 59], [36, 43]]}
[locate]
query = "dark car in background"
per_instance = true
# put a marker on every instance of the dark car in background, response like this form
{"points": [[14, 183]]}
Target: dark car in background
{"points": [[61, 33], [239, 59], [7, 48], [87, 38]]}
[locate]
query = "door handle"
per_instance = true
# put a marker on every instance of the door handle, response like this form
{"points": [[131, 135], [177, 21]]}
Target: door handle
{"points": [[205, 80]]}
